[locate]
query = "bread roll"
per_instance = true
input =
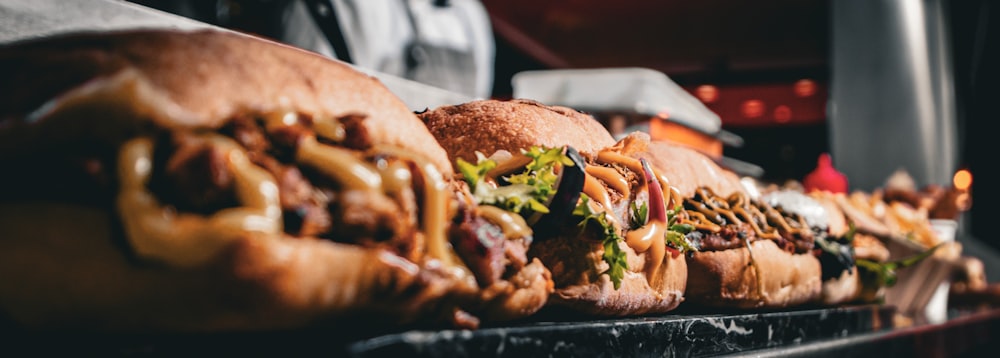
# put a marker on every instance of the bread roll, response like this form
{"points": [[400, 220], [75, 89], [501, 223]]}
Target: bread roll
{"points": [[652, 283], [735, 276], [215, 181], [487, 126], [689, 169]]}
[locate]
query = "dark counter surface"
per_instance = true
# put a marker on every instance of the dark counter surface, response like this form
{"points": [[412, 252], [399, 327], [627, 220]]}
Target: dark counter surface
{"points": [[682, 334], [676, 334], [965, 334]]}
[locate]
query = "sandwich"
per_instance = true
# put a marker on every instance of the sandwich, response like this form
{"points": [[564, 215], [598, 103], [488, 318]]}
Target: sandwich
{"points": [[846, 256], [603, 219], [747, 254], [162, 180], [882, 246]]}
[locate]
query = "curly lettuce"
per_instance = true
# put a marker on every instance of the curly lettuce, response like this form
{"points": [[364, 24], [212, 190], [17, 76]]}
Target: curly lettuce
{"points": [[530, 189]]}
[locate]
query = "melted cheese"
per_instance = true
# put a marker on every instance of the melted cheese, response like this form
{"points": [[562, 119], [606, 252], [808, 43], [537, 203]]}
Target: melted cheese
{"points": [[512, 225], [158, 232]]}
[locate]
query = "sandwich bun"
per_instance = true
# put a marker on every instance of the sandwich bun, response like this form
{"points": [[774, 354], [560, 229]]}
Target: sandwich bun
{"points": [[575, 259], [763, 276], [487, 126], [689, 169], [102, 253]]}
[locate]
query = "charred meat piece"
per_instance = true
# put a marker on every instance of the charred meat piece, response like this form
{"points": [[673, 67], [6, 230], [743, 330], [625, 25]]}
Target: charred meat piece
{"points": [[193, 176], [481, 246]]}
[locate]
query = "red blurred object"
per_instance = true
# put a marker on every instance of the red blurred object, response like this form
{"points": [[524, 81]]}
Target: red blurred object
{"points": [[731, 99], [825, 177], [782, 114], [707, 93], [805, 88], [753, 108]]}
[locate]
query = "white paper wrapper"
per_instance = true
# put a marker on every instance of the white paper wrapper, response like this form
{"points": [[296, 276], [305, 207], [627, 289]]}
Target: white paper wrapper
{"points": [[921, 291]]}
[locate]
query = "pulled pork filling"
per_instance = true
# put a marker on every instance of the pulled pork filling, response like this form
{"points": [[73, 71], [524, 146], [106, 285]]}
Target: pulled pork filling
{"points": [[191, 175], [733, 222]]}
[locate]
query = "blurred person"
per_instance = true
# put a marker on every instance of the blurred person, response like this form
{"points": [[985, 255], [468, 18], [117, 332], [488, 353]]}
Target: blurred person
{"points": [[444, 43]]}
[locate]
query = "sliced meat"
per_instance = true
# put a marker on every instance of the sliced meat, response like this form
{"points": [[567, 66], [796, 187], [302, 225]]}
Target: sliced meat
{"points": [[356, 135], [730, 237], [372, 219], [195, 176], [246, 132], [481, 245], [516, 253]]}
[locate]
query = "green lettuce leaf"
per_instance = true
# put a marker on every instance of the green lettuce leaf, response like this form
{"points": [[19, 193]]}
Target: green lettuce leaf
{"points": [[676, 235], [530, 189], [885, 272], [613, 254]]}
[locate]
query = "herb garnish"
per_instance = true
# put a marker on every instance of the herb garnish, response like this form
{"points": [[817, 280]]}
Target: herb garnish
{"points": [[613, 254], [529, 189]]}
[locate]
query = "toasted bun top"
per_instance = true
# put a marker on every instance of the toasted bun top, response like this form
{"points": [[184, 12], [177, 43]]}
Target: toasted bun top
{"points": [[491, 125], [206, 77], [688, 169], [836, 218]]}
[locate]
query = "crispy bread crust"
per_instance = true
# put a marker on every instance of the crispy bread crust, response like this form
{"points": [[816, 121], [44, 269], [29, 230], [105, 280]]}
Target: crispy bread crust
{"points": [[689, 169], [842, 289], [212, 76], [576, 264], [491, 125], [776, 278], [577, 268], [72, 275], [726, 278]]}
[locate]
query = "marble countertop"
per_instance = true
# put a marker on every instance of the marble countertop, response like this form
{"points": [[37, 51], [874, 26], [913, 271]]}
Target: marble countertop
{"points": [[681, 334]]}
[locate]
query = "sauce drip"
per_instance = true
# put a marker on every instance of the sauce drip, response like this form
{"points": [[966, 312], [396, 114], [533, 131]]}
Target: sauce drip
{"points": [[512, 225], [157, 231], [611, 177]]}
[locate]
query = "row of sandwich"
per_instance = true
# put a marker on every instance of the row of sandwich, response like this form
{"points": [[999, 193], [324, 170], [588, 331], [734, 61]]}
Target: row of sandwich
{"points": [[213, 181]]}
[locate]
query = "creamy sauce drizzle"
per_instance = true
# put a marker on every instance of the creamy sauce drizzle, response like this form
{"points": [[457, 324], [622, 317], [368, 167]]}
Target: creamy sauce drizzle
{"points": [[182, 239], [434, 217], [338, 163], [599, 195], [649, 237], [158, 232], [612, 177], [710, 211], [611, 157], [512, 225]]}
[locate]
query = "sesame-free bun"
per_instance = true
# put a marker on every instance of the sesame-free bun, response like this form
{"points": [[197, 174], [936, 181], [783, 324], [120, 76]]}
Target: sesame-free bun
{"points": [[762, 276], [575, 259], [202, 79], [688, 169], [767, 278], [75, 264], [491, 125]]}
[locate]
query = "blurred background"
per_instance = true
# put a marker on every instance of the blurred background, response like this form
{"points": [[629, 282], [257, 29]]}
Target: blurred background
{"points": [[883, 86]]}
